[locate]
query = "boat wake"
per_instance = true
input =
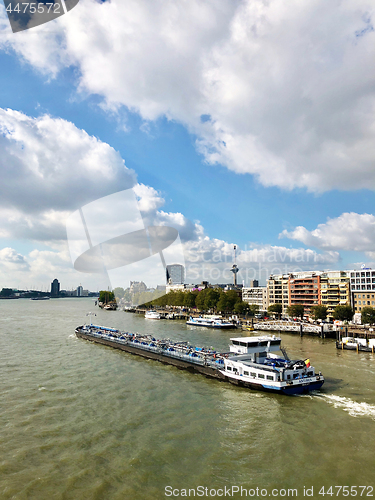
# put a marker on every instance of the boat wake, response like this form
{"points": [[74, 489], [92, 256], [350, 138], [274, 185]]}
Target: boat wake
{"points": [[354, 408]]}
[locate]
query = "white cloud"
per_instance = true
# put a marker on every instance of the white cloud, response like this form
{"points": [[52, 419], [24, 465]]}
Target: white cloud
{"points": [[12, 261], [48, 163], [349, 231], [287, 87]]}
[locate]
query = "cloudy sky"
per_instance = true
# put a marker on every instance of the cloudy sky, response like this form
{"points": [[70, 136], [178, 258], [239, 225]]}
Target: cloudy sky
{"points": [[246, 122]]}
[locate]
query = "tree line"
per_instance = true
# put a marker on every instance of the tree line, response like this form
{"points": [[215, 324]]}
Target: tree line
{"points": [[209, 299]]}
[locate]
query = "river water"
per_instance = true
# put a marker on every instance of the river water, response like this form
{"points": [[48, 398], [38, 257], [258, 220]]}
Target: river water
{"points": [[84, 421]]}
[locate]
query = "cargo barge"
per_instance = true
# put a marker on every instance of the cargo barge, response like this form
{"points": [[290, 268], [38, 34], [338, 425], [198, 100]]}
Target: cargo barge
{"points": [[251, 361]]}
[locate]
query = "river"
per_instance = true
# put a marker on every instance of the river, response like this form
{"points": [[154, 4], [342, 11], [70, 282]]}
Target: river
{"points": [[84, 421]]}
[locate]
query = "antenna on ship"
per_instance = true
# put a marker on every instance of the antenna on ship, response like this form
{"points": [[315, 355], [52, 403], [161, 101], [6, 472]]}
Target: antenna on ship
{"points": [[234, 267]]}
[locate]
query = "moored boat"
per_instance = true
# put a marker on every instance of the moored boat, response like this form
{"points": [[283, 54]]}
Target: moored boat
{"points": [[152, 315], [210, 322], [356, 344]]}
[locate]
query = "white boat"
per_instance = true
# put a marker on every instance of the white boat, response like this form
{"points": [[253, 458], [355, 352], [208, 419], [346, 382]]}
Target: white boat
{"points": [[252, 363], [152, 315], [210, 322], [356, 344]]}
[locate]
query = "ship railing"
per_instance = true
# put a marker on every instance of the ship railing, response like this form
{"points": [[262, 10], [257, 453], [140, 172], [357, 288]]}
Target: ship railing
{"points": [[185, 356]]}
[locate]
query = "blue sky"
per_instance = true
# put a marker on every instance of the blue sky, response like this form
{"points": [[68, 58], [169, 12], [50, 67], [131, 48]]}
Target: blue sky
{"points": [[281, 160]]}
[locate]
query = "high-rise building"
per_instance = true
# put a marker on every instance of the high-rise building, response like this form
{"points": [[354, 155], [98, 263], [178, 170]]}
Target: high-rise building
{"points": [[304, 290], [79, 291], [55, 288], [278, 290], [334, 290], [175, 274]]}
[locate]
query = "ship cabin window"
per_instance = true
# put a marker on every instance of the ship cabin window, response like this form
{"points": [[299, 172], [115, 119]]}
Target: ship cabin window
{"points": [[229, 368], [288, 377], [275, 342], [246, 374], [310, 374], [269, 377], [253, 374], [260, 375], [295, 375]]}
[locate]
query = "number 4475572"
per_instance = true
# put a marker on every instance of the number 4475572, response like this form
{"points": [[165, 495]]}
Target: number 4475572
{"points": [[348, 491]]}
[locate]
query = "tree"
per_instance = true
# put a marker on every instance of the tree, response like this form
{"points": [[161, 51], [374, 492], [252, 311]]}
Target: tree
{"points": [[296, 311], [211, 298], [275, 309], [119, 292], [232, 299], [319, 312], [253, 309], [189, 299], [106, 296], [343, 313], [368, 315], [242, 307], [200, 299], [222, 302]]}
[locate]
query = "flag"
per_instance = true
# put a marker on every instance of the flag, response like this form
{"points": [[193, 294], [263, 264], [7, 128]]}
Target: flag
{"points": [[307, 363]]}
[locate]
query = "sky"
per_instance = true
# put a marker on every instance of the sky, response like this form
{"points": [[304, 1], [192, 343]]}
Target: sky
{"points": [[235, 122]]}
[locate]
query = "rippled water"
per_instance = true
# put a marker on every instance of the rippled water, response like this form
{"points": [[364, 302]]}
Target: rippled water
{"points": [[83, 421]]}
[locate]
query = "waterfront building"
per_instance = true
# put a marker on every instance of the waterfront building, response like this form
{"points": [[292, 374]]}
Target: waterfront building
{"points": [[362, 288], [363, 299], [362, 280], [278, 290], [175, 274], [304, 289], [55, 288], [334, 290], [137, 287], [256, 295], [177, 288]]}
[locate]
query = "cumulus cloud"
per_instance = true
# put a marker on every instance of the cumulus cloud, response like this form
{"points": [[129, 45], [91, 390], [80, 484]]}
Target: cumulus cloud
{"points": [[350, 231], [48, 163], [281, 90], [11, 260]]}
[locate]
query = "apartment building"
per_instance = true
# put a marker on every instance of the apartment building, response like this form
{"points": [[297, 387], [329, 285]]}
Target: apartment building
{"points": [[278, 290], [334, 290], [256, 295], [362, 299], [304, 289]]}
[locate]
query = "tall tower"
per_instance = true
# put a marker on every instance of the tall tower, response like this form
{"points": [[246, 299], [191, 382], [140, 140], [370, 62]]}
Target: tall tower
{"points": [[235, 268]]}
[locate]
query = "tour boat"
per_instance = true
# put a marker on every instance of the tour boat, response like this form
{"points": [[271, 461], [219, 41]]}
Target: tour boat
{"points": [[210, 322], [152, 315]]}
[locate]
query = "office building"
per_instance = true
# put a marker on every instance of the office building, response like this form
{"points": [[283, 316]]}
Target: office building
{"points": [[55, 288], [175, 274]]}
